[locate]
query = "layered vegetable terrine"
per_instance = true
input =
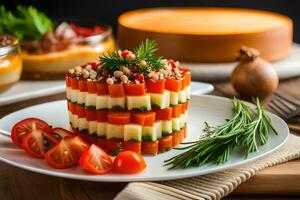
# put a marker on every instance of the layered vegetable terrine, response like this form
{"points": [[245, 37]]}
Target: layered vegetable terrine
{"points": [[130, 100]]}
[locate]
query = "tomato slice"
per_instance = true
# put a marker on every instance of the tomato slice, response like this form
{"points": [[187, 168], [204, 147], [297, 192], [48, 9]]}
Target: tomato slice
{"points": [[60, 133], [101, 115], [102, 88], [165, 143], [82, 85], [132, 89], [132, 146], [66, 153], [92, 86], [91, 114], [173, 84], [74, 83], [129, 162], [143, 118], [116, 90], [150, 147], [95, 160], [72, 107], [37, 142], [118, 117], [176, 111], [163, 114], [155, 86], [24, 127]]}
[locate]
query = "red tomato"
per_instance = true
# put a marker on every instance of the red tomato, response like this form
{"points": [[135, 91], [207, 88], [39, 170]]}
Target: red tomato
{"points": [[72, 108], [66, 153], [60, 133], [92, 86], [132, 146], [143, 118], [150, 147], [132, 89], [165, 143], [134, 69], [116, 90], [155, 86], [125, 53], [113, 147], [24, 127], [101, 115], [173, 84], [37, 142], [91, 114], [82, 86], [163, 114], [101, 142], [74, 83], [95, 160], [102, 88], [129, 162], [118, 117], [140, 78]]}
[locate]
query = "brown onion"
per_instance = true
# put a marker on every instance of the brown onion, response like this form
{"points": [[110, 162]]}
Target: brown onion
{"points": [[253, 76]]}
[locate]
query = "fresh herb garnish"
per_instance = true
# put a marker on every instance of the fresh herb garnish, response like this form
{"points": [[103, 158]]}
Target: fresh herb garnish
{"points": [[248, 129], [24, 23], [145, 52]]}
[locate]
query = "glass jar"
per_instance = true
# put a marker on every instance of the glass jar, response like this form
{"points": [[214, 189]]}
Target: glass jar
{"points": [[10, 61], [55, 64]]}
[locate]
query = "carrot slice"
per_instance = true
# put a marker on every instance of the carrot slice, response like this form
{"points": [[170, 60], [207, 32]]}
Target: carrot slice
{"points": [[92, 86], [101, 115], [91, 114], [82, 86], [116, 90], [143, 118], [132, 146], [132, 89], [73, 82], [163, 114], [118, 117], [155, 86], [80, 111], [150, 147], [102, 88], [165, 143], [176, 110], [173, 84], [176, 138]]}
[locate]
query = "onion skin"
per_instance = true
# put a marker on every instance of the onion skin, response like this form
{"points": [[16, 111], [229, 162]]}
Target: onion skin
{"points": [[255, 78]]}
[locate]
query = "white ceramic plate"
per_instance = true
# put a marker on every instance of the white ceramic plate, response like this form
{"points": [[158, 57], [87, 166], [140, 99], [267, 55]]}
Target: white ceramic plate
{"points": [[24, 90], [212, 109]]}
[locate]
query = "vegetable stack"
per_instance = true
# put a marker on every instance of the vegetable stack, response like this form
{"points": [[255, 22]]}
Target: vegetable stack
{"points": [[130, 100]]}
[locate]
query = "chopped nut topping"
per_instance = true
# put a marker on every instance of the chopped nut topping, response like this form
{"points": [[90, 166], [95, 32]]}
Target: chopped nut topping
{"points": [[124, 78], [118, 74], [130, 57], [85, 74], [110, 81], [143, 63]]}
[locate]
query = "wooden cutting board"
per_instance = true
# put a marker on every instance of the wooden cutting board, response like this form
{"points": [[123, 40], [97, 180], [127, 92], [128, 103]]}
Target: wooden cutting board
{"points": [[280, 179]]}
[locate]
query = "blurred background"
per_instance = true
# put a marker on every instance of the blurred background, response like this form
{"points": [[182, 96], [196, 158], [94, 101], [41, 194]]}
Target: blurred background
{"points": [[105, 11]]}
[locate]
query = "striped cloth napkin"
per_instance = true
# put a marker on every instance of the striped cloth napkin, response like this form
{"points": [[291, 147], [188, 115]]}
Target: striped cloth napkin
{"points": [[211, 186]]}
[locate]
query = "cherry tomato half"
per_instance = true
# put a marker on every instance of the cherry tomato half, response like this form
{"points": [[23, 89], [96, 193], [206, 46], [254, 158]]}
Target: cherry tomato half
{"points": [[129, 162]]}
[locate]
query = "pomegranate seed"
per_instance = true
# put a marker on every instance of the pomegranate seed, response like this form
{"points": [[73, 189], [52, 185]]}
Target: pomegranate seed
{"points": [[104, 73], [94, 65], [125, 53], [134, 69], [140, 78]]}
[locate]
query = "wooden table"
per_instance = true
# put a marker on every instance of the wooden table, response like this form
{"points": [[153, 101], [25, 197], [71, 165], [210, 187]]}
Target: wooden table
{"points": [[18, 184]]}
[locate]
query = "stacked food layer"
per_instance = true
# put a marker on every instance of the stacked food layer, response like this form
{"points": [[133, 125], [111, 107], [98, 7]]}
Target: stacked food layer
{"points": [[125, 109]]}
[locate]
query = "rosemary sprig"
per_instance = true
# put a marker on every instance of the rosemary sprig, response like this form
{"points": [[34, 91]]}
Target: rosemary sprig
{"points": [[113, 61], [246, 129]]}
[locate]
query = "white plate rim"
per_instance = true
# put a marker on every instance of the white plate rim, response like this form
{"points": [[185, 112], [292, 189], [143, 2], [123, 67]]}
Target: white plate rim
{"points": [[99, 178]]}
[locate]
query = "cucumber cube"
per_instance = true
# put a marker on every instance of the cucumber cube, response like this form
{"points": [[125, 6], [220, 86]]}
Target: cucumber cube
{"points": [[90, 100], [102, 102], [68, 93], [116, 103], [81, 97], [92, 127], [182, 96], [160, 101], [188, 92], [174, 98], [75, 121], [142, 103], [166, 126], [114, 131], [176, 124], [101, 129], [73, 95], [83, 124], [182, 120], [132, 132]]}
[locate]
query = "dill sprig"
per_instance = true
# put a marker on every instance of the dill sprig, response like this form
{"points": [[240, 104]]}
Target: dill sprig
{"points": [[248, 129], [145, 51]]}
